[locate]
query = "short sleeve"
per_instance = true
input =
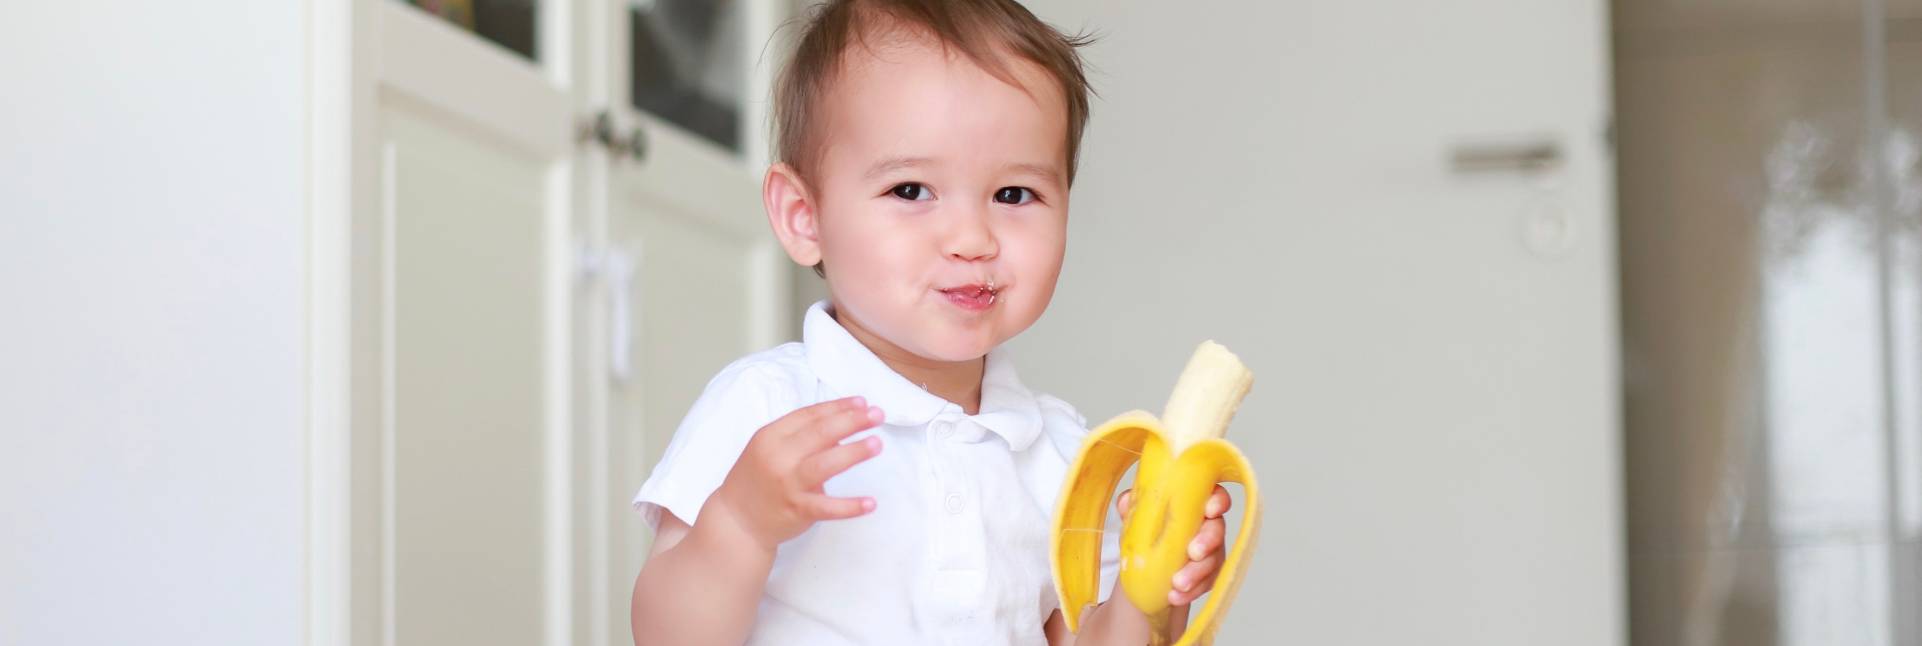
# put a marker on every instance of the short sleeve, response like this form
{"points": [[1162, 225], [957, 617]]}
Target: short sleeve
{"points": [[736, 403]]}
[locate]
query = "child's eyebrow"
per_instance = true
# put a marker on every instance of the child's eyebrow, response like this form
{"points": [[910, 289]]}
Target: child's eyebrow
{"points": [[1049, 172], [1044, 171], [892, 164]]}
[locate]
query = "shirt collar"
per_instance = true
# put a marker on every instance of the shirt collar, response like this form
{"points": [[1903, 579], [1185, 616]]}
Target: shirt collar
{"points": [[1008, 408]]}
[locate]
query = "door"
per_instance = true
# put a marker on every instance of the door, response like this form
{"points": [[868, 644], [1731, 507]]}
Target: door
{"points": [[462, 161], [682, 273], [1400, 215]]}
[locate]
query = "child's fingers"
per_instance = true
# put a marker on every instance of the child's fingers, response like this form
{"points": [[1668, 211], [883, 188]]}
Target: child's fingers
{"points": [[1218, 503], [821, 466], [1207, 539], [829, 429], [823, 507], [806, 417], [1180, 597], [1195, 577], [1124, 502]]}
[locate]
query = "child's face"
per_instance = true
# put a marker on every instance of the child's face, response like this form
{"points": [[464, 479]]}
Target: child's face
{"points": [[934, 181]]}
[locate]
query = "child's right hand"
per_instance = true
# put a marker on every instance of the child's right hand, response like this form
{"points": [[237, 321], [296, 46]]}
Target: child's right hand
{"points": [[773, 493]]}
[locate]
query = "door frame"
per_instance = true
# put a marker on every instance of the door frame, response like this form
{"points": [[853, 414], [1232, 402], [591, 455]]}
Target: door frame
{"points": [[333, 65]]}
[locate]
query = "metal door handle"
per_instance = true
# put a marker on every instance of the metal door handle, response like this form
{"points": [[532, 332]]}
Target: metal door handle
{"points": [[1528, 157], [601, 129]]}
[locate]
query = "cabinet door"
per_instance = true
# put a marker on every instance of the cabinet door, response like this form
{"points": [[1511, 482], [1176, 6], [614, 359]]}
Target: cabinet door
{"points": [[684, 275], [463, 153], [530, 311]]}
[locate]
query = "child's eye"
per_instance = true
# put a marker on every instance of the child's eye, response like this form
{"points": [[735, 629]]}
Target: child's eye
{"points": [[911, 191], [1014, 195]]}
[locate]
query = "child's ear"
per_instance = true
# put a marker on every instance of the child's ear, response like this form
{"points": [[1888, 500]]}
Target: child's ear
{"points": [[790, 211]]}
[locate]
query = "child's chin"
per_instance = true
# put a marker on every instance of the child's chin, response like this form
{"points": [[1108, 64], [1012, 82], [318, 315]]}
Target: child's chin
{"points": [[957, 350]]}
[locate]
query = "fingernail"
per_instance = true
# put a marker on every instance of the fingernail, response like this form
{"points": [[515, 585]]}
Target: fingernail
{"points": [[867, 505], [857, 401], [1194, 550], [873, 443], [875, 415], [1181, 582]]}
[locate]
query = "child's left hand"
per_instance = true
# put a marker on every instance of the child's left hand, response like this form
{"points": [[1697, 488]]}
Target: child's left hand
{"points": [[1205, 552]]}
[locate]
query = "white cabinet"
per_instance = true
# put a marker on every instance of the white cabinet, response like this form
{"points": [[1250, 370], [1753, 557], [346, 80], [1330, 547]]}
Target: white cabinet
{"points": [[509, 313]]}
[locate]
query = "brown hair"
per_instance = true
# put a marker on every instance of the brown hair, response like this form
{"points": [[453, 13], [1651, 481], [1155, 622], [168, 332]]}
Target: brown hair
{"points": [[984, 31]]}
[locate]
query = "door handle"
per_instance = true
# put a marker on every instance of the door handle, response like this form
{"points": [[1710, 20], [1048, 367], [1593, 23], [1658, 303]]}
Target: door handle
{"points": [[1526, 157], [601, 129]]}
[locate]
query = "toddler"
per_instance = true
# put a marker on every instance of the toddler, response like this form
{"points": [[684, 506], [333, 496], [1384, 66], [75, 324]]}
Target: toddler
{"points": [[888, 479]]}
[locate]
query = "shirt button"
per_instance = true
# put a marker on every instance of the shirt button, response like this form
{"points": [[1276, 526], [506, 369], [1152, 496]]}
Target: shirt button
{"points": [[954, 503]]}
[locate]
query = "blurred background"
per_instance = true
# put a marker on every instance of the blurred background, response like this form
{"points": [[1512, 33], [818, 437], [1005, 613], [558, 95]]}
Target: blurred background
{"points": [[1581, 322]]}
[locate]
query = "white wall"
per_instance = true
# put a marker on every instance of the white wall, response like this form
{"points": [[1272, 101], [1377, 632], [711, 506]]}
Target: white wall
{"points": [[1434, 409], [151, 289]]}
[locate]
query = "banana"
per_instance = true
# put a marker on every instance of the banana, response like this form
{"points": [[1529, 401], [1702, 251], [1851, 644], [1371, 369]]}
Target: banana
{"points": [[1182, 457]]}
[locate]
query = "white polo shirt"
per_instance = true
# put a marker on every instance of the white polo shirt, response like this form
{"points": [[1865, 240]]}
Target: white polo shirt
{"points": [[956, 550]]}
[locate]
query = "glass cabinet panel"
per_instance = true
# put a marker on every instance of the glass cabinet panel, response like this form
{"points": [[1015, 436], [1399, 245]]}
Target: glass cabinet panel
{"points": [[512, 24], [688, 65]]}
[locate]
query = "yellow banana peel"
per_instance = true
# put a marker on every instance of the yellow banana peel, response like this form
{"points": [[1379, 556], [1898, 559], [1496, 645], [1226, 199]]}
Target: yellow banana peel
{"points": [[1182, 457]]}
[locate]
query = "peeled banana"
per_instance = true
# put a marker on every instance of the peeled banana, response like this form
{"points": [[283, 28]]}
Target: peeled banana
{"points": [[1182, 457]]}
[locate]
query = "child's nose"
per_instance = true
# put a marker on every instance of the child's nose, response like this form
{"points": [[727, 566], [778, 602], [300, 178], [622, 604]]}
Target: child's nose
{"points": [[970, 237]]}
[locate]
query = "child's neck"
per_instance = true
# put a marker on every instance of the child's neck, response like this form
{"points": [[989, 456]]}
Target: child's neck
{"points": [[955, 381]]}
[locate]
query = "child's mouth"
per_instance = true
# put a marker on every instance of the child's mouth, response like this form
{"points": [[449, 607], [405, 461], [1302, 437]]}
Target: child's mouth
{"points": [[973, 298]]}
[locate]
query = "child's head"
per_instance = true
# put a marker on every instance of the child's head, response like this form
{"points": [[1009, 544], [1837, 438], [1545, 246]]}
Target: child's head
{"points": [[924, 151]]}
